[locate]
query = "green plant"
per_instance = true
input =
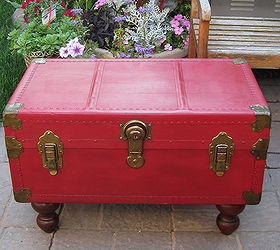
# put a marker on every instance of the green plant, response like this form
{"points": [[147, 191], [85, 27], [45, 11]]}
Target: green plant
{"points": [[12, 67], [39, 37], [86, 5], [183, 7]]}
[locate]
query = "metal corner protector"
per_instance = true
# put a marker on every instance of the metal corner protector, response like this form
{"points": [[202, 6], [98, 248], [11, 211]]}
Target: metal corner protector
{"points": [[259, 149], [14, 147], [22, 195], [239, 61], [252, 198], [263, 118], [10, 116]]}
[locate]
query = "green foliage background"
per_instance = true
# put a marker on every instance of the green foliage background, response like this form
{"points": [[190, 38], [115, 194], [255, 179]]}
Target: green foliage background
{"points": [[12, 67]]}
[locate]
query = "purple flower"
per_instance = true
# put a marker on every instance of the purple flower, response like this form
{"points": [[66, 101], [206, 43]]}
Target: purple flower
{"points": [[64, 52], [138, 48], [74, 22], [119, 18], [123, 55], [76, 49], [144, 10], [77, 11], [92, 56]]}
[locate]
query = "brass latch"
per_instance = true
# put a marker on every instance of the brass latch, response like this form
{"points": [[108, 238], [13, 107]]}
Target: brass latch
{"points": [[51, 150], [220, 152], [135, 132]]}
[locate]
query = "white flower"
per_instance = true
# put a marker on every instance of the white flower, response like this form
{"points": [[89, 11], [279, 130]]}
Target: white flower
{"points": [[64, 52]]}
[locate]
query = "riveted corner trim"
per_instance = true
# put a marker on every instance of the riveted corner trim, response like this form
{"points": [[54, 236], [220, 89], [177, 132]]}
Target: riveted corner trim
{"points": [[14, 147], [263, 118], [239, 61], [10, 116], [22, 195], [259, 149], [251, 198]]}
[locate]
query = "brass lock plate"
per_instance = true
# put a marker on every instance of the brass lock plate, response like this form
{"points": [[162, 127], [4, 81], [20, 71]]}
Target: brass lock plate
{"points": [[220, 151], [135, 131], [51, 150]]}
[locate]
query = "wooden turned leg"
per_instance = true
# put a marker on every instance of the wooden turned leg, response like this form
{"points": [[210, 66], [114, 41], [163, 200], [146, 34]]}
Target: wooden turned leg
{"points": [[228, 220], [47, 219]]}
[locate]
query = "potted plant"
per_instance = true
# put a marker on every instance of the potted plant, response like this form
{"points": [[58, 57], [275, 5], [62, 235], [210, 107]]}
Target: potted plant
{"points": [[44, 40], [120, 29]]}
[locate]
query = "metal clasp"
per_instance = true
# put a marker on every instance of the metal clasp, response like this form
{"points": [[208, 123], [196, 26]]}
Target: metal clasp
{"points": [[51, 150], [220, 151], [135, 131]]}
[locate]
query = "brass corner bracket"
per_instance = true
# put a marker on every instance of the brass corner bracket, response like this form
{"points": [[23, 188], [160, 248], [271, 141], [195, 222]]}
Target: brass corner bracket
{"points": [[39, 61], [14, 147], [263, 118], [22, 195], [220, 151], [239, 61], [10, 116], [259, 149], [251, 198]]}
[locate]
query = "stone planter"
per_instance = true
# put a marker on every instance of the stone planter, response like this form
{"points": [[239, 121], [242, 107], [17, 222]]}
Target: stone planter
{"points": [[176, 53]]}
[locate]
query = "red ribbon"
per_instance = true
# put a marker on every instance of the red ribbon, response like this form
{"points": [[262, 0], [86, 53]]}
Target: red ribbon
{"points": [[49, 23]]}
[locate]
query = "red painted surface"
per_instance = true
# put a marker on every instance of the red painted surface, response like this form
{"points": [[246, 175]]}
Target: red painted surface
{"points": [[188, 103]]}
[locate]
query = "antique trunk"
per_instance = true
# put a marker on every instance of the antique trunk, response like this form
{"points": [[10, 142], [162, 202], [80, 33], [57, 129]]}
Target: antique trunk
{"points": [[148, 131]]}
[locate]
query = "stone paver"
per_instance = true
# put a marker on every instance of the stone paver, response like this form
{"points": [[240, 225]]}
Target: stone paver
{"points": [[275, 110], [259, 241], [267, 184], [143, 240], [273, 160], [19, 215], [274, 146], [271, 93], [203, 241], [3, 153], [25, 239], [65, 239], [137, 217], [80, 216], [275, 176], [263, 217], [195, 220]]}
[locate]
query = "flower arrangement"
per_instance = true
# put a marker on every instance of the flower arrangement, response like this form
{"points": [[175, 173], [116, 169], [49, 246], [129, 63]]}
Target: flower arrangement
{"points": [[120, 27], [127, 31]]}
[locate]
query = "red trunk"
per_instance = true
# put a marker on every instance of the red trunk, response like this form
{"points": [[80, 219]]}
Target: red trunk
{"points": [[188, 103]]}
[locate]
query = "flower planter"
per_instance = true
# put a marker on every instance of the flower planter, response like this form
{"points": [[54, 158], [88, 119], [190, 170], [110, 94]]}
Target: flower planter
{"points": [[37, 54], [175, 53]]}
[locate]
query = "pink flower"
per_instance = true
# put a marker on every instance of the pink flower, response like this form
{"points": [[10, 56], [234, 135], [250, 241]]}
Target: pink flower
{"points": [[186, 24], [125, 41], [178, 17], [167, 47], [178, 30], [174, 23], [162, 40], [99, 3]]}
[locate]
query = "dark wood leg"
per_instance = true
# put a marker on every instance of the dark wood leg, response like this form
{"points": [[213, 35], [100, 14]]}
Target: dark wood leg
{"points": [[47, 219], [228, 220]]}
